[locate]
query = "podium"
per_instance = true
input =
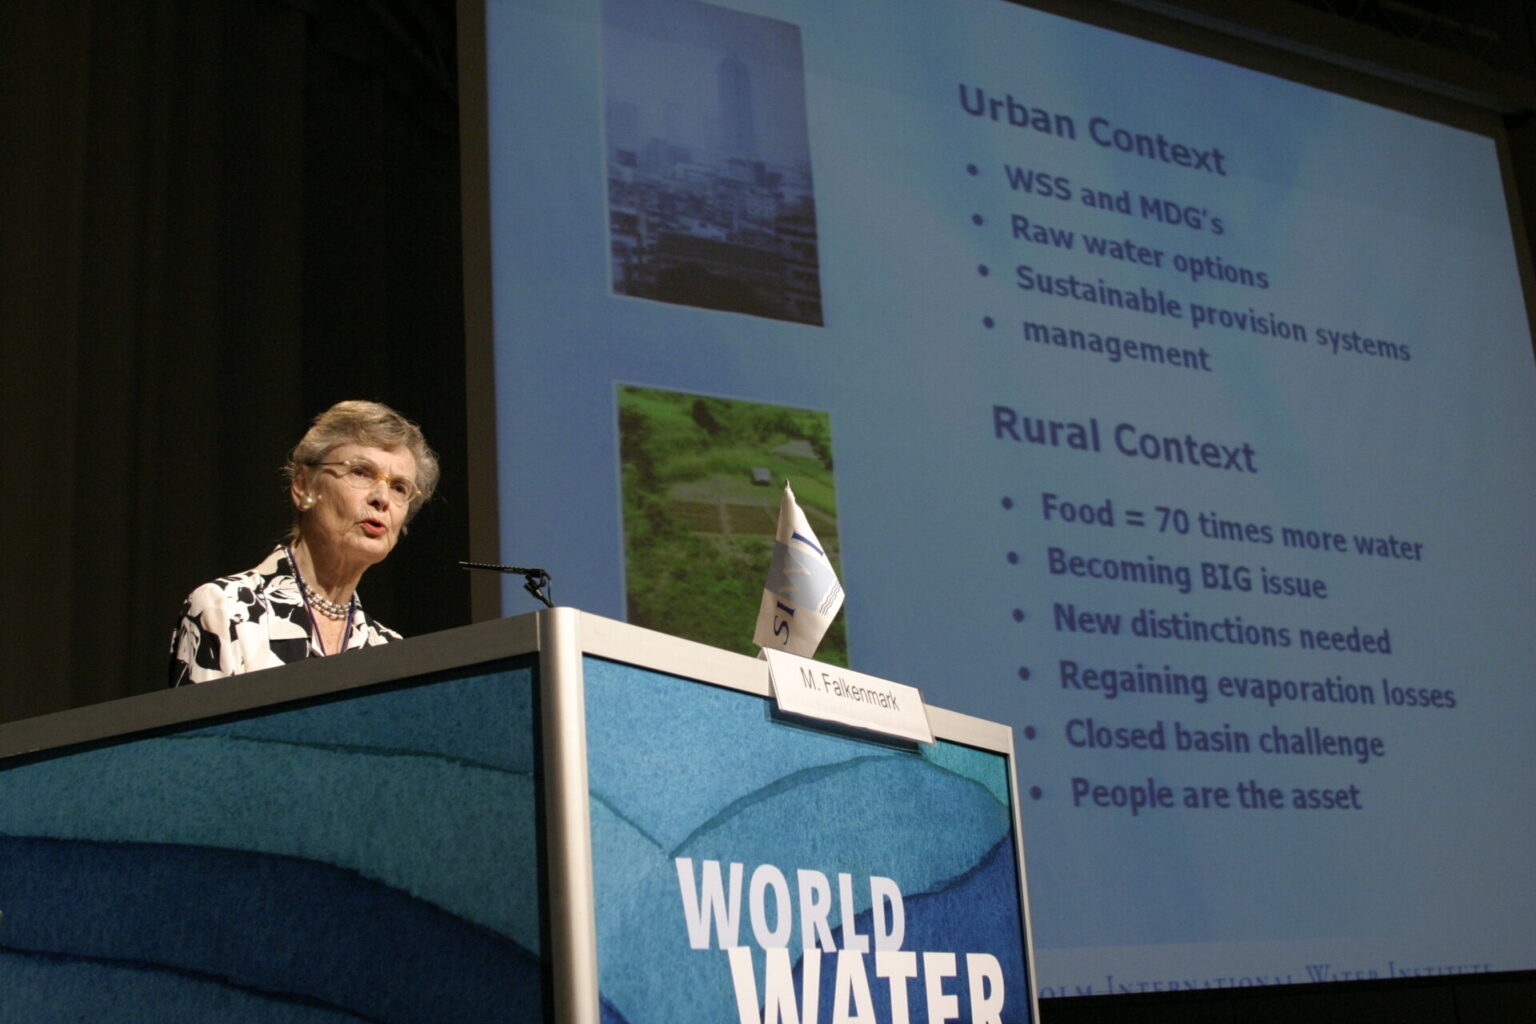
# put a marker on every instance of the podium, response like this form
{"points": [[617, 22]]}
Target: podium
{"points": [[554, 817]]}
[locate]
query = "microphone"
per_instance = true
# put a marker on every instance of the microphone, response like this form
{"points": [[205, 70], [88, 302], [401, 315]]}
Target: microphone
{"points": [[535, 581]]}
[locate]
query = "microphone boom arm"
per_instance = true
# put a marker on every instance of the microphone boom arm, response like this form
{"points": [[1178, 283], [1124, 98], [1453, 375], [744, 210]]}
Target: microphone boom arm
{"points": [[535, 581]]}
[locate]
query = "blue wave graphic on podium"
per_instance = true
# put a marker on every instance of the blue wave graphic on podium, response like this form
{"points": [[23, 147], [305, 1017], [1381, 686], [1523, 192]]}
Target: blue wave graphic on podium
{"points": [[274, 929], [372, 859], [682, 770]]}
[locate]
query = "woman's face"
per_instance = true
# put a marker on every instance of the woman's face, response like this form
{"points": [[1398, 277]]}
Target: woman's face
{"points": [[357, 512]]}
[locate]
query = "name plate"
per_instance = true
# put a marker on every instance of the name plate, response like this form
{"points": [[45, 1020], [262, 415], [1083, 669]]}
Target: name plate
{"points": [[815, 689]]}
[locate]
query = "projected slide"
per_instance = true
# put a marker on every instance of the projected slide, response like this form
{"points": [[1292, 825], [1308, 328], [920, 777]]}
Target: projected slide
{"points": [[1184, 418]]}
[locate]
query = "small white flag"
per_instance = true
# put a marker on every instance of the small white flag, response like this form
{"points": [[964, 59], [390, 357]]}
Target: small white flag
{"points": [[802, 595]]}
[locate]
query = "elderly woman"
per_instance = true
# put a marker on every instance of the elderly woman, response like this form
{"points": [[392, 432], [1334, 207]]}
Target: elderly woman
{"points": [[355, 479]]}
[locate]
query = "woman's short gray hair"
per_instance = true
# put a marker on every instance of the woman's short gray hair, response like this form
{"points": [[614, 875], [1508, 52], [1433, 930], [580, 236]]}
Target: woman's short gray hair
{"points": [[373, 425]]}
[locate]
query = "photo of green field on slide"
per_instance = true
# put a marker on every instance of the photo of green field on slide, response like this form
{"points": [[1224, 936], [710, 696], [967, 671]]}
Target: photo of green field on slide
{"points": [[702, 480]]}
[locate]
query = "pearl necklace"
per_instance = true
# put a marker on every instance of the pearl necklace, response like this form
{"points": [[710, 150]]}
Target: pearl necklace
{"points": [[324, 605], [318, 602]]}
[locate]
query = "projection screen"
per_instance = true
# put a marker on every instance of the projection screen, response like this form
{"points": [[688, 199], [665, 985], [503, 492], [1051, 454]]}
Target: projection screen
{"points": [[1178, 415]]}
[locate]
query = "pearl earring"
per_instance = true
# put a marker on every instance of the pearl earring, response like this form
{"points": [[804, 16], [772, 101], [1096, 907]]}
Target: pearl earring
{"points": [[308, 502]]}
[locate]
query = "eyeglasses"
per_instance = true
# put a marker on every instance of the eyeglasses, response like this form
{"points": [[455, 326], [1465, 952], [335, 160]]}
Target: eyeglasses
{"points": [[364, 476]]}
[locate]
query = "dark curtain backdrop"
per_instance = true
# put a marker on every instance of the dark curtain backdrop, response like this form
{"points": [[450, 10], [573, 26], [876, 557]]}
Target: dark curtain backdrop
{"points": [[217, 217]]}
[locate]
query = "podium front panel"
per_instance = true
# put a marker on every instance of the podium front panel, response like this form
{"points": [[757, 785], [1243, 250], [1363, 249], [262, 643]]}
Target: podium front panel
{"points": [[374, 858], [727, 841]]}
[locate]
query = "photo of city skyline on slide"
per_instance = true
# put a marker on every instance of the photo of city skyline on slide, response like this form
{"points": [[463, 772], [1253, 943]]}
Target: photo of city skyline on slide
{"points": [[710, 201]]}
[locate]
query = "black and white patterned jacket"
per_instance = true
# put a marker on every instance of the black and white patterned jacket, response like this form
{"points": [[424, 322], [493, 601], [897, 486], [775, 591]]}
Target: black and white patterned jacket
{"points": [[254, 620]]}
